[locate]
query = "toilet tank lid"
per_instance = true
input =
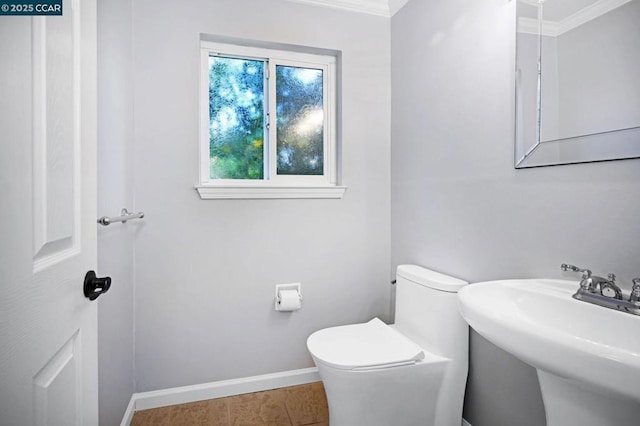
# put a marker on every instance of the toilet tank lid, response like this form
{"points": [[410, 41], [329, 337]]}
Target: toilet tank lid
{"points": [[429, 278]]}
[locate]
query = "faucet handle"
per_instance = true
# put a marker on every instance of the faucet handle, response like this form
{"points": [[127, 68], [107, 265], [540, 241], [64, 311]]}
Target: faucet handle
{"points": [[585, 272]]}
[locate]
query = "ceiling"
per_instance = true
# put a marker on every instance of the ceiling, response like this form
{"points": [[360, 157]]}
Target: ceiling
{"points": [[385, 8]]}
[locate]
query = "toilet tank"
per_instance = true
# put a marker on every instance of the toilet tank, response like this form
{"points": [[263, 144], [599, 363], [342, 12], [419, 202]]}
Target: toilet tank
{"points": [[427, 311]]}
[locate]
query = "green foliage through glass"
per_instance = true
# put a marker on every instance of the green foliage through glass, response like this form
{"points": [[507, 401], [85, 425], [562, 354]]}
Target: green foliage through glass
{"points": [[236, 112], [300, 121]]}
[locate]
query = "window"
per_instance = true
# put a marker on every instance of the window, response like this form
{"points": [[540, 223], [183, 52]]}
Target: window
{"points": [[268, 123]]}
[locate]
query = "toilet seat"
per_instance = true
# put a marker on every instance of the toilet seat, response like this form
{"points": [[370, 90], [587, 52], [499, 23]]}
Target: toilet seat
{"points": [[372, 345]]}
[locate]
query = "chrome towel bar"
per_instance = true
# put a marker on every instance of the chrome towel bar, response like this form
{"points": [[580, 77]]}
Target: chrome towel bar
{"points": [[124, 216]]}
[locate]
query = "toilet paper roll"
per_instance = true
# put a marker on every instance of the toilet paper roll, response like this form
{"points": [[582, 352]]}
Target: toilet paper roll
{"points": [[289, 300]]}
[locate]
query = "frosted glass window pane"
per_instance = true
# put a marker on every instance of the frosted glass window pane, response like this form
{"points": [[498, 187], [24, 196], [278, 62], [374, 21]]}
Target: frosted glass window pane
{"points": [[300, 121], [236, 112]]}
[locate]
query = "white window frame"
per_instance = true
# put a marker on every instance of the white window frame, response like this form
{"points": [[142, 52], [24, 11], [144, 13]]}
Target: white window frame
{"points": [[272, 185]]}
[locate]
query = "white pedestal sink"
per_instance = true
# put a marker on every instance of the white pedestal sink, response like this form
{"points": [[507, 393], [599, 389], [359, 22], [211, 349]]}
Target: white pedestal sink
{"points": [[587, 356]]}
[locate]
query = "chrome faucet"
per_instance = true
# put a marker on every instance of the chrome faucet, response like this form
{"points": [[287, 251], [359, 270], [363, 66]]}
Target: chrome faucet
{"points": [[586, 283], [634, 297], [604, 291], [609, 288]]}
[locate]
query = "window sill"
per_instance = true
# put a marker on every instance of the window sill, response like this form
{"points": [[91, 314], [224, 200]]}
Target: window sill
{"points": [[214, 192]]}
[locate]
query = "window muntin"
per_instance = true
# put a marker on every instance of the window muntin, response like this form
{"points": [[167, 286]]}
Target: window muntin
{"points": [[296, 143]]}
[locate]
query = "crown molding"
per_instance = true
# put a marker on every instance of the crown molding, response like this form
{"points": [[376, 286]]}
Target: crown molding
{"points": [[530, 26], [554, 29], [386, 8], [589, 13], [534, 3], [396, 5], [380, 8]]}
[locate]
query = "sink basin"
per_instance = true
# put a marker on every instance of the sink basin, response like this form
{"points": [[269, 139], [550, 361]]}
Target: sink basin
{"points": [[587, 356]]}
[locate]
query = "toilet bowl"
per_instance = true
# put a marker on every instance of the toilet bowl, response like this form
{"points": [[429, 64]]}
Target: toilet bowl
{"points": [[411, 373]]}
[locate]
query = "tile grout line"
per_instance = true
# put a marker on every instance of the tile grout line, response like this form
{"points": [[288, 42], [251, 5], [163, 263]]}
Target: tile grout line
{"points": [[286, 407]]}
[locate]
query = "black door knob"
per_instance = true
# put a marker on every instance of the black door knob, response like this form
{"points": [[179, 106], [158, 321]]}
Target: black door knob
{"points": [[94, 286]]}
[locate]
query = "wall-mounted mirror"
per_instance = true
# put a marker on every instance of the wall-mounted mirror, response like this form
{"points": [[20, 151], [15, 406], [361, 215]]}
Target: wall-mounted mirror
{"points": [[577, 81]]}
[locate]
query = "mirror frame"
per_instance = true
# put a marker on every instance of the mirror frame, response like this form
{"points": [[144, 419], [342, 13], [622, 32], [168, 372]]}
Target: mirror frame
{"points": [[618, 144]]}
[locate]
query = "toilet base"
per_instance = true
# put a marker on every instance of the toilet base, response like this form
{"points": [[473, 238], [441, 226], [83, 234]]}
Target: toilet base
{"points": [[399, 396]]}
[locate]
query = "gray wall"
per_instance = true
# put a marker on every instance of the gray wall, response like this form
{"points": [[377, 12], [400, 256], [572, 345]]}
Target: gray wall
{"points": [[458, 205], [595, 66], [598, 66], [205, 271], [115, 191], [527, 96]]}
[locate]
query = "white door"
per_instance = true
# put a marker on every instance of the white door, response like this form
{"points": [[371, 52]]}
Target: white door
{"points": [[48, 330]]}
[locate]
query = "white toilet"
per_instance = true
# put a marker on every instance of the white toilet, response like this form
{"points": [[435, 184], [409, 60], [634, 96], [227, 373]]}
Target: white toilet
{"points": [[411, 373]]}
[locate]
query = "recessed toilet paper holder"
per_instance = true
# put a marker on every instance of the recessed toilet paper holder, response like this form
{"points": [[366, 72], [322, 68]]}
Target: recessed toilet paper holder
{"points": [[288, 304]]}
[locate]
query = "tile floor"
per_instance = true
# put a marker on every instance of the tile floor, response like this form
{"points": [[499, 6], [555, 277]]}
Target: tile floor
{"points": [[292, 406]]}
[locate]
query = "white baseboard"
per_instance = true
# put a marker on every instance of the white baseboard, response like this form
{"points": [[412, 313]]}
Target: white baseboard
{"points": [[185, 394], [128, 414], [465, 423]]}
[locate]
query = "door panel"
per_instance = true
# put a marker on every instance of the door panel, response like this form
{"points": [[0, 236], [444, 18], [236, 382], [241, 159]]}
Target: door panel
{"points": [[55, 387], [56, 139], [48, 329]]}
